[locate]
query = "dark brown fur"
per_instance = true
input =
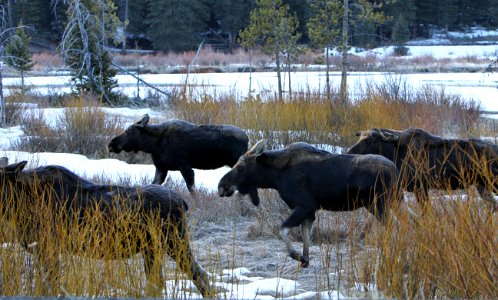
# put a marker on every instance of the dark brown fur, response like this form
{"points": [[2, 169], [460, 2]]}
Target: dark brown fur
{"points": [[308, 179], [72, 196], [178, 145], [428, 161]]}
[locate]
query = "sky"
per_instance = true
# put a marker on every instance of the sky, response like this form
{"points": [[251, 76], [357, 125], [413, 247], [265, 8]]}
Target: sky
{"points": [[478, 86]]}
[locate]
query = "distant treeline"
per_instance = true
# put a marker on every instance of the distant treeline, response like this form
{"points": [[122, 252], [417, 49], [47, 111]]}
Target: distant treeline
{"points": [[178, 25]]}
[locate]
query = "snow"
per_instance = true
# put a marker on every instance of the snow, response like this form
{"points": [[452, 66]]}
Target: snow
{"points": [[481, 87], [440, 51]]}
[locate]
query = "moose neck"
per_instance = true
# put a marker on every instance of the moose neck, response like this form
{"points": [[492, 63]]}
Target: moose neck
{"points": [[267, 176], [149, 144]]}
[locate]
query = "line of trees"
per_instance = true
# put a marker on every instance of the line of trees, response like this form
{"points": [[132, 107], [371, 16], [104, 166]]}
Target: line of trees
{"points": [[178, 25]]}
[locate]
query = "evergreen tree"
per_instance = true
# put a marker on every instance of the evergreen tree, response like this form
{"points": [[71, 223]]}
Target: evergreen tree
{"points": [[491, 14], [17, 52], [34, 13], [324, 29], [399, 9], [137, 14], [275, 30], [426, 15], [302, 10], [401, 33], [89, 26], [447, 14], [233, 16], [173, 25]]}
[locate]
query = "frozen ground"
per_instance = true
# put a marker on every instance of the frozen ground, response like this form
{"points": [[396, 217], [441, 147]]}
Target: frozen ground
{"points": [[262, 268], [264, 271]]}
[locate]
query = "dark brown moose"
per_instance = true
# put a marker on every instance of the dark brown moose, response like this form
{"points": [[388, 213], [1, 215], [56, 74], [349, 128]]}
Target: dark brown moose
{"points": [[308, 179], [427, 161], [178, 145], [72, 198]]}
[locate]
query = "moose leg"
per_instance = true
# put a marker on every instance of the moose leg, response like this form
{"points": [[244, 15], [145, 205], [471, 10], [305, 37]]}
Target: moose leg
{"points": [[153, 272], [160, 176], [179, 250], [487, 196], [306, 232], [48, 265], [297, 217], [188, 176]]}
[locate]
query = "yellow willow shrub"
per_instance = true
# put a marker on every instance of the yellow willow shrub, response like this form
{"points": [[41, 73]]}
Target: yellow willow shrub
{"points": [[448, 251], [310, 117], [49, 249]]}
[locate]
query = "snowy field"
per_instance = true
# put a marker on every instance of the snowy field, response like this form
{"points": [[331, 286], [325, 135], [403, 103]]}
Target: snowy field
{"points": [[481, 87]]}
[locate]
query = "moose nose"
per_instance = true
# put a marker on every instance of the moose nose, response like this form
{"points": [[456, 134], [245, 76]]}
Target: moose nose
{"points": [[226, 191]]}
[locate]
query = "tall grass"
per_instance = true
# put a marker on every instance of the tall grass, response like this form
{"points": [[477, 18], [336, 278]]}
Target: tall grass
{"points": [[49, 248], [82, 128], [444, 249], [310, 117], [449, 251]]}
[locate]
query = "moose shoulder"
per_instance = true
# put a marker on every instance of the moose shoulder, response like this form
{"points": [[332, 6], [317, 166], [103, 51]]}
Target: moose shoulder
{"points": [[178, 145], [308, 179], [54, 190], [428, 161]]}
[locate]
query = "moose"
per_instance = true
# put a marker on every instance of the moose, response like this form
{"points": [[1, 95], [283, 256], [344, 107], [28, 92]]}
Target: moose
{"points": [[54, 189], [428, 161], [308, 179], [180, 146]]}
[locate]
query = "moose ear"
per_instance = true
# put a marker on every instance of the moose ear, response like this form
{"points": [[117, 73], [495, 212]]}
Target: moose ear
{"points": [[3, 161], [144, 121], [16, 168], [257, 149]]}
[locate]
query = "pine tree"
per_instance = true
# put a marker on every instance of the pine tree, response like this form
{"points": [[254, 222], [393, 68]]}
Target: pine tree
{"points": [[17, 52], [275, 30], [401, 33], [174, 24], [91, 23], [233, 16], [35, 14], [324, 29], [398, 9]]}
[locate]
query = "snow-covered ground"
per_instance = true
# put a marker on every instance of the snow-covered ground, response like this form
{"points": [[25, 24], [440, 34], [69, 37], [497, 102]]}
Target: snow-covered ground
{"points": [[481, 87]]}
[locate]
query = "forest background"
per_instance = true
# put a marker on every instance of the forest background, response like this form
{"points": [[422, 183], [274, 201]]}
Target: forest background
{"points": [[178, 25]]}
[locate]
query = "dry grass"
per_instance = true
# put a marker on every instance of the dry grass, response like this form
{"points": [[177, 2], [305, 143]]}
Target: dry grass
{"points": [[449, 251], [93, 256], [74, 132], [169, 62], [310, 117]]}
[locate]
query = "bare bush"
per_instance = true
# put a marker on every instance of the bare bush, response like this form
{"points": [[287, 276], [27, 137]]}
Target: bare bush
{"points": [[81, 129]]}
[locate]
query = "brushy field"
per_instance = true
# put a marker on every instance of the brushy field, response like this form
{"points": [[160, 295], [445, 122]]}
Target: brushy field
{"points": [[443, 249], [209, 59]]}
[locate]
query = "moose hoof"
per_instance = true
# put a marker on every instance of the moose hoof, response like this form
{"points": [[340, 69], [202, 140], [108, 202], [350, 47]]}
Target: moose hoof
{"points": [[305, 262]]}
